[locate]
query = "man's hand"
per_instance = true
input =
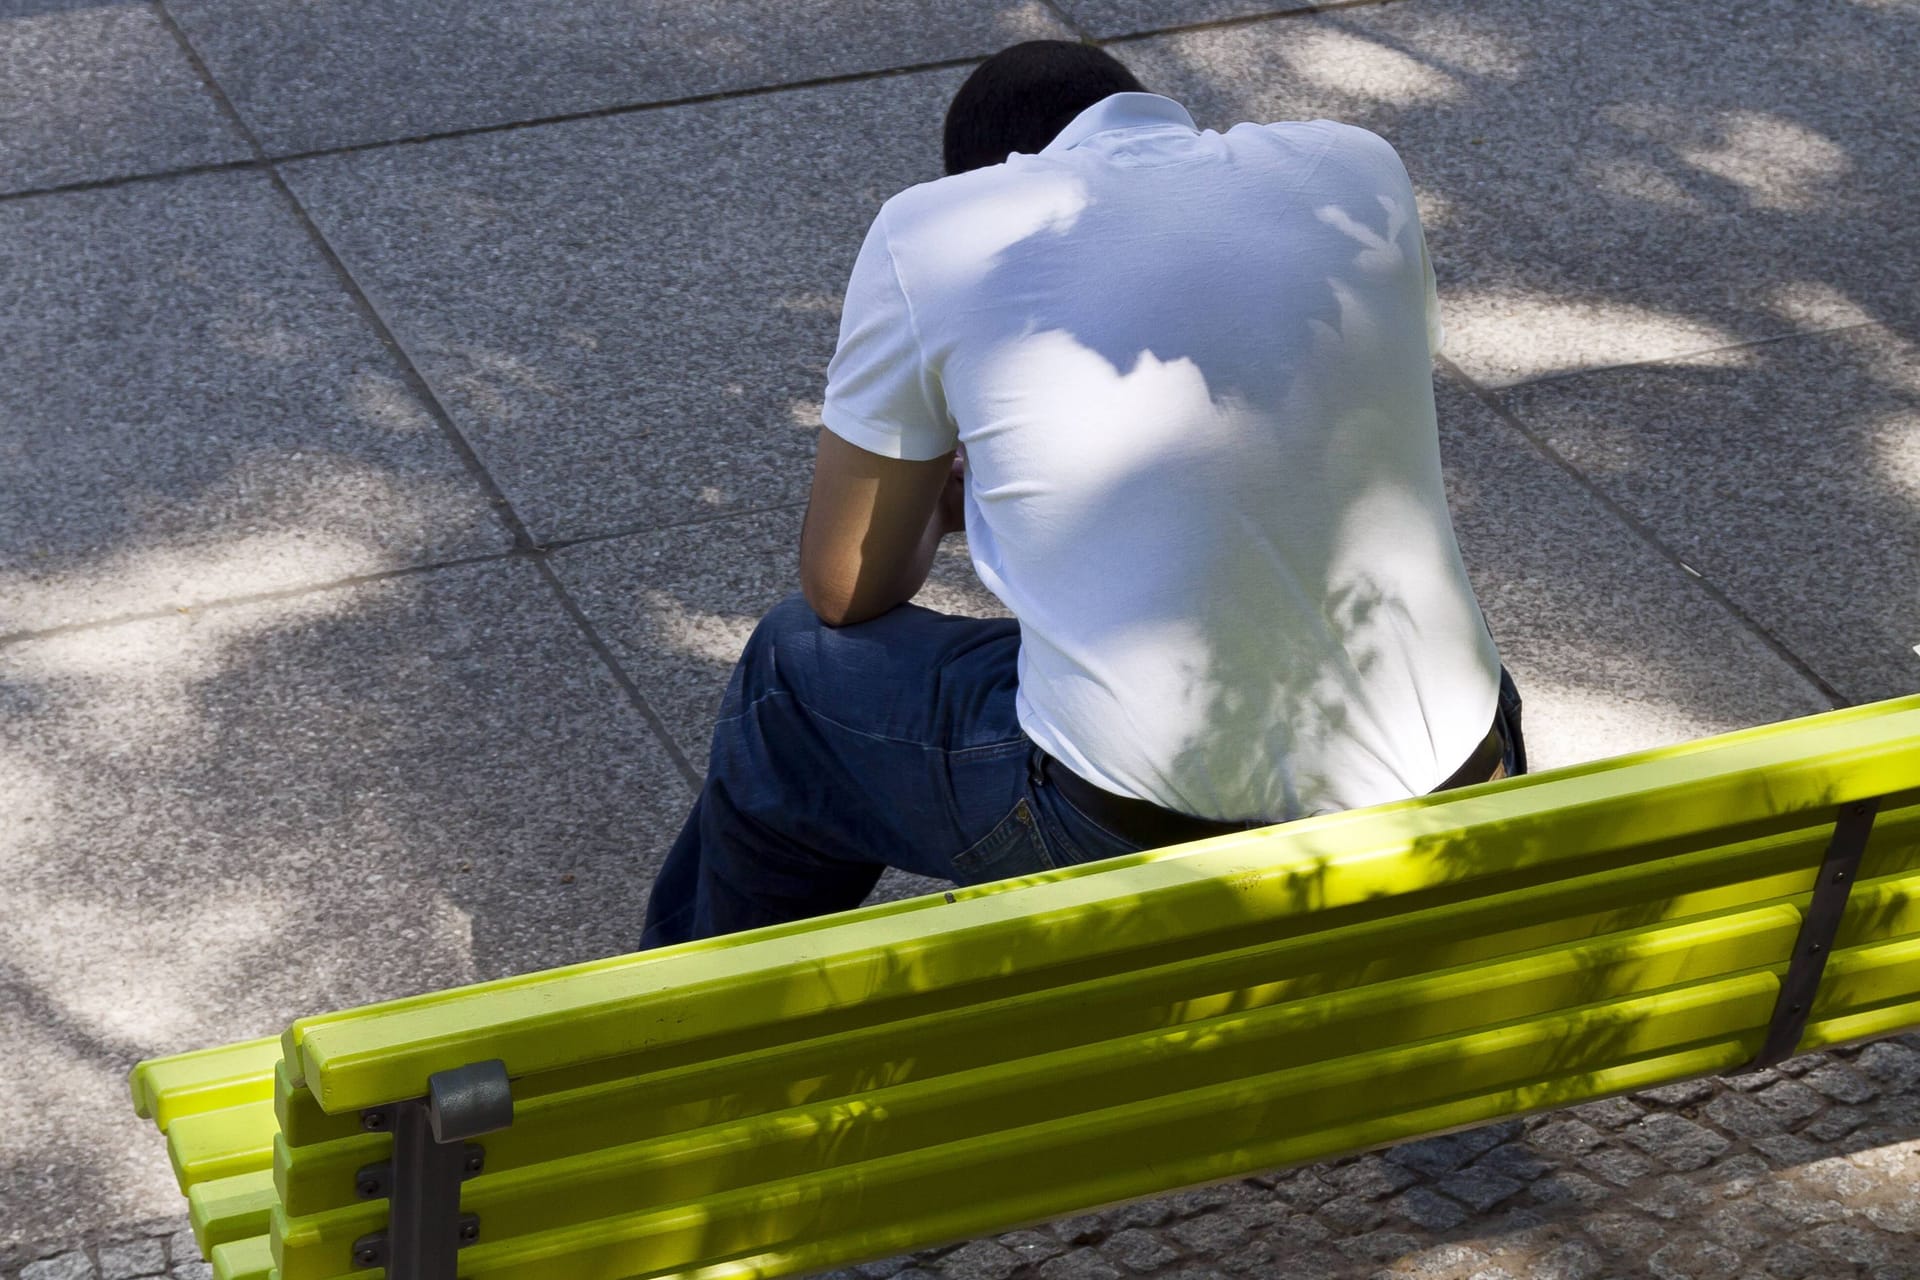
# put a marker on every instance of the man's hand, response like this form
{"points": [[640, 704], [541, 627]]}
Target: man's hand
{"points": [[953, 498], [872, 527]]}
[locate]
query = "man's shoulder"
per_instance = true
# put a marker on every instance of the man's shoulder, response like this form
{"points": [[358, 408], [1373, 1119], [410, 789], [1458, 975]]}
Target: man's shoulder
{"points": [[1333, 135], [939, 197], [979, 213], [1358, 155], [1360, 140]]}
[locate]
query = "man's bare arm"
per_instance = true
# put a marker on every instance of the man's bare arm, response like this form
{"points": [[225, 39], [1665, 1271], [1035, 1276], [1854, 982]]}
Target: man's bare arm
{"points": [[872, 527]]}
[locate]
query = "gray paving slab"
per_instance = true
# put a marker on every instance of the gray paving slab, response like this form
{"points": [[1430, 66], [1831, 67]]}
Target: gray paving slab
{"points": [[92, 90], [1613, 648], [1611, 183], [630, 317], [195, 410], [216, 822], [677, 605], [1107, 19], [1788, 476], [313, 76]]}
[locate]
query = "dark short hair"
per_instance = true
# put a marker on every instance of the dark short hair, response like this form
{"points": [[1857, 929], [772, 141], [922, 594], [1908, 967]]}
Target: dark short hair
{"points": [[1023, 96]]}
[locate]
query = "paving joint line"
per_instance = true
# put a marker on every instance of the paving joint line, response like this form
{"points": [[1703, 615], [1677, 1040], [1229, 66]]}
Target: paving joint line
{"points": [[263, 160], [295, 590], [130, 179], [410, 371], [1065, 19], [419, 383], [1250, 19], [1646, 534], [1684, 356], [620, 674], [256, 597]]}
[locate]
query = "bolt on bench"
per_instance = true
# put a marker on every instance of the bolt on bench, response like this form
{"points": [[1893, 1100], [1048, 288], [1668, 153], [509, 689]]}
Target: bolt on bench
{"points": [[913, 1073]]}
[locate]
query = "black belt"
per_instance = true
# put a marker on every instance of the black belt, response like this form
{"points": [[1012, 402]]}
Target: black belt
{"points": [[1146, 824]]}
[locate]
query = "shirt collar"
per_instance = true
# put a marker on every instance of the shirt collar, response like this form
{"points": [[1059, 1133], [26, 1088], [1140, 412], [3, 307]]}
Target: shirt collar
{"points": [[1120, 111]]}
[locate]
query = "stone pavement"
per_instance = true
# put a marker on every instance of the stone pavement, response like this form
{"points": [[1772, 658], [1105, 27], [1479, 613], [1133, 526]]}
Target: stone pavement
{"points": [[405, 412]]}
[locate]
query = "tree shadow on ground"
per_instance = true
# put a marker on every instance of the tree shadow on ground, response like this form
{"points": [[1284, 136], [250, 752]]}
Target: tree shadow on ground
{"points": [[205, 800]]}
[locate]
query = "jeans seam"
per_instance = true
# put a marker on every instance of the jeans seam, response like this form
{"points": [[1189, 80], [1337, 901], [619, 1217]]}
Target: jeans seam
{"points": [[1007, 745], [1030, 826]]}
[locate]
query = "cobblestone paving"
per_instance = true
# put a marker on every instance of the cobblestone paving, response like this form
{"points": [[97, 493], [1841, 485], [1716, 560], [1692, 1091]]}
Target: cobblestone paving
{"points": [[1807, 1172]]}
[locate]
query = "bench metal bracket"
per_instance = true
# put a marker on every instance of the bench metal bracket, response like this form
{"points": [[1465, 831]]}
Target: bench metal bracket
{"points": [[1818, 928], [375, 1181], [431, 1158]]}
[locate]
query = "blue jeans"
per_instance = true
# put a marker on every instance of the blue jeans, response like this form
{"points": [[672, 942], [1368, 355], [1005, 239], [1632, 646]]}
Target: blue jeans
{"points": [[841, 752]]}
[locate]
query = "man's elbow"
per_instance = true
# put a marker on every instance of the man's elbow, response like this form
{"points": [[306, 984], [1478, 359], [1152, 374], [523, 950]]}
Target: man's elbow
{"points": [[831, 601], [829, 613], [840, 607]]}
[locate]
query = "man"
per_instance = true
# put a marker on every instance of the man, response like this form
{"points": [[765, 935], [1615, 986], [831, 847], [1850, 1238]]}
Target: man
{"points": [[1190, 377]]}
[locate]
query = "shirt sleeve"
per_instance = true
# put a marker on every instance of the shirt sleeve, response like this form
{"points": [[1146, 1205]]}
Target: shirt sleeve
{"points": [[881, 396]]}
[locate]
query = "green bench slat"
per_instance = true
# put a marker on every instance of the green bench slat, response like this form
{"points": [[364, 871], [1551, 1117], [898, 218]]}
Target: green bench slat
{"points": [[229, 1209], [220, 1144], [299, 1114], [165, 1089], [250, 1258], [1860, 984], [1341, 868], [1871, 1024]]}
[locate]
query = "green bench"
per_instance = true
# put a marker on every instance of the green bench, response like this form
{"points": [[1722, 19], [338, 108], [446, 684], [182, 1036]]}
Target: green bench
{"points": [[816, 1094]]}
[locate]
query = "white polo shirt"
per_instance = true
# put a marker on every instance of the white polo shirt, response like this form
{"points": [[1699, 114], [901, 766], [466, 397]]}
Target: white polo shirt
{"points": [[1192, 372]]}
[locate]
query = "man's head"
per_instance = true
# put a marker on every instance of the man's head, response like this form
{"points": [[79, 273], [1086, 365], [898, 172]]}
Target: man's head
{"points": [[1021, 97]]}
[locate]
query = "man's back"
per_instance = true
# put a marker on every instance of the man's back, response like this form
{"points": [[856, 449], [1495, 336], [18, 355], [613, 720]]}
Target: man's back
{"points": [[1192, 375]]}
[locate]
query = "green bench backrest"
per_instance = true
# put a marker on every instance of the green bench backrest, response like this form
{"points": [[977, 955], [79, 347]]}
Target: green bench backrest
{"points": [[922, 1071]]}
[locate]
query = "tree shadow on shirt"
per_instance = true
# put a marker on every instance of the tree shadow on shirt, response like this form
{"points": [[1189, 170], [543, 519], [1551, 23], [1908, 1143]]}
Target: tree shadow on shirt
{"points": [[1237, 445]]}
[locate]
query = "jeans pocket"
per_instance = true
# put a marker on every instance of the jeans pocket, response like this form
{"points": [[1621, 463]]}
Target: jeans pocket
{"points": [[1072, 837], [1012, 848]]}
